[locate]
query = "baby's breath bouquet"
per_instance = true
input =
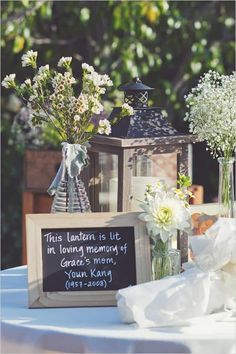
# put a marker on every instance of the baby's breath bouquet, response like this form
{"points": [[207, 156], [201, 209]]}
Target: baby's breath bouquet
{"points": [[212, 116], [166, 211], [212, 112], [53, 98]]}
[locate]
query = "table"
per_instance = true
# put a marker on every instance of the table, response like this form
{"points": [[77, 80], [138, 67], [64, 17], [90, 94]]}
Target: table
{"points": [[99, 330]]}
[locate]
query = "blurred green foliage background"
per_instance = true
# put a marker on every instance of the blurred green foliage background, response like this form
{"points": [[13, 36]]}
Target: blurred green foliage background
{"points": [[168, 44]]}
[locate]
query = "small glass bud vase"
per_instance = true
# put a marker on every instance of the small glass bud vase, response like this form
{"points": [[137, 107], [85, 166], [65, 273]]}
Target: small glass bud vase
{"points": [[165, 260], [67, 187], [226, 187]]}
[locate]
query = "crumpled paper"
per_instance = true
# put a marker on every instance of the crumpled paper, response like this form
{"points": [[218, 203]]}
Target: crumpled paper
{"points": [[75, 156], [217, 247], [207, 285]]}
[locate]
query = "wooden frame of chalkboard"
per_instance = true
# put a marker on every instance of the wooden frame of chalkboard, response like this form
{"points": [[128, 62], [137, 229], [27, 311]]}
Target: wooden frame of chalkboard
{"points": [[77, 260]]}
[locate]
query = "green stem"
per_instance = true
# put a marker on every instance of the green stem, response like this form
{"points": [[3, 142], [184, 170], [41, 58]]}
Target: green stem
{"points": [[226, 187], [161, 262], [52, 123]]}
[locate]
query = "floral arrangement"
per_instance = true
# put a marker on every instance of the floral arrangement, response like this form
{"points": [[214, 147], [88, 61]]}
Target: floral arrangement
{"points": [[166, 210], [212, 112], [212, 116], [51, 98]]}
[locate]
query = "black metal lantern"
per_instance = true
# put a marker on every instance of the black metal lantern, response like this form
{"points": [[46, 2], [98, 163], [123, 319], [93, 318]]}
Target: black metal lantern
{"points": [[146, 121]]}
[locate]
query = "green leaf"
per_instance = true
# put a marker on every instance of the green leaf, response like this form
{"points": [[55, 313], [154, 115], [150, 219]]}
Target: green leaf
{"points": [[18, 44], [26, 32], [84, 14], [196, 67], [139, 50], [46, 10], [25, 3], [184, 181]]}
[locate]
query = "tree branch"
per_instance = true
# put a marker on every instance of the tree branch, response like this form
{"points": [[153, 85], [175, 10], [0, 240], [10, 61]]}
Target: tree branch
{"points": [[49, 41], [17, 17]]}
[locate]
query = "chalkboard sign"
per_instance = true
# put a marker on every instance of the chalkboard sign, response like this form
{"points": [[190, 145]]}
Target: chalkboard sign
{"points": [[83, 259], [88, 259]]}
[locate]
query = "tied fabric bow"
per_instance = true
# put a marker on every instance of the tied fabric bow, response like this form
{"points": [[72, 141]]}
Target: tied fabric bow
{"points": [[75, 156]]}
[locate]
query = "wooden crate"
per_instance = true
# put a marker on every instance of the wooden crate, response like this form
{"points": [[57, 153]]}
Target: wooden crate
{"points": [[40, 167]]}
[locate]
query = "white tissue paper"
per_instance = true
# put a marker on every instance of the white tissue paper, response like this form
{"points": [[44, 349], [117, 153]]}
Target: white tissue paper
{"points": [[207, 285]]}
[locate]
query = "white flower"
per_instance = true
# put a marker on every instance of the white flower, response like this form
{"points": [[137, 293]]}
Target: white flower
{"points": [[104, 127], [212, 112], [61, 82], [36, 80], [97, 107], [99, 80], [100, 90], [42, 74], [95, 78], [164, 113], [71, 80], [77, 117], [9, 81], [52, 92], [43, 69], [82, 108], [70, 110], [87, 68], [29, 59], [60, 105], [60, 87], [64, 62], [105, 80], [165, 211], [91, 77], [58, 78], [27, 82], [72, 99], [60, 97], [83, 98], [52, 97], [81, 104], [164, 215], [72, 105], [127, 110], [32, 98], [35, 86]]}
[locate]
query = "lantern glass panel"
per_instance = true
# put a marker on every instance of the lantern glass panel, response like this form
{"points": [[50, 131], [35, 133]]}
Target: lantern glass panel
{"points": [[148, 168], [106, 191]]}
